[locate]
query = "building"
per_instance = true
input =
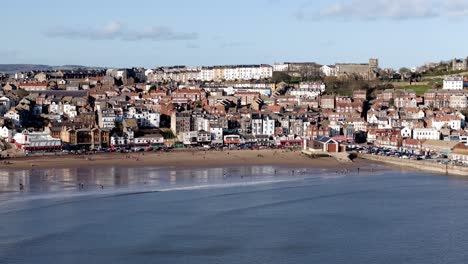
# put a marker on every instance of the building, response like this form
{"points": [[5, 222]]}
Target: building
{"points": [[327, 102], [106, 118], [458, 101], [85, 137], [36, 141], [460, 154], [33, 86], [426, 133], [328, 70], [5, 104], [453, 83], [280, 67], [406, 132], [308, 90], [367, 71], [180, 122], [325, 144], [149, 140], [460, 64], [6, 133]]}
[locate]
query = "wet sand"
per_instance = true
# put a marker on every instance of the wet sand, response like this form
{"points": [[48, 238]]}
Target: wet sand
{"points": [[186, 158]]}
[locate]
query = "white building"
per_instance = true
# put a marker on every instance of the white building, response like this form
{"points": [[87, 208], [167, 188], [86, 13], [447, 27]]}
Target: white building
{"points": [[5, 105], [280, 67], [145, 117], [14, 116], [216, 134], [106, 118], [207, 74], [458, 101], [6, 133], [149, 139], [70, 110], [189, 137], [453, 83], [328, 70], [268, 126], [247, 72], [406, 132], [308, 90], [29, 141], [426, 133], [257, 126], [452, 121]]}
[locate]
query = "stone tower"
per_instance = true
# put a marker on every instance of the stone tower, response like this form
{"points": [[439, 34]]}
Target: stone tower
{"points": [[465, 64], [373, 68]]}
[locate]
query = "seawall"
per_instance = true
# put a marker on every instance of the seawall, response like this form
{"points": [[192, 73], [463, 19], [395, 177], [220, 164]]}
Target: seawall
{"points": [[420, 165]]}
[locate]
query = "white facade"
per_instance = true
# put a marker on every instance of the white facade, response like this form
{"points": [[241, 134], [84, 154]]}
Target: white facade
{"points": [[458, 101], [406, 132], [207, 74], [328, 70], [14, 116], [426, 133], [308, 90], [106, 119], [70, 110], [4, 105], [359, 125], [247, 72], [257, 126], [188, 137], [453, 83], [36, 140], [216, 134], [145, 118], [6, 133], [452, 122], [279, 67], [268, 126], [149, 139]]}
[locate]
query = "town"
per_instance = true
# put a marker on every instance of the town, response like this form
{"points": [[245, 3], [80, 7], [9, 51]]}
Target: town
{"points": [[407, 113]]}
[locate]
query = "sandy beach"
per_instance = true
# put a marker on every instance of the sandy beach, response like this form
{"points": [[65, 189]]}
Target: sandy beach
{"points": [[187, 158]]}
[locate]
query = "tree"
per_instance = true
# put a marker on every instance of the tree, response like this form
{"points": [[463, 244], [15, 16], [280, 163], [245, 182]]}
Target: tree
{"points": [[153, 88], [281, 77], [22, 93], [404, 70]]}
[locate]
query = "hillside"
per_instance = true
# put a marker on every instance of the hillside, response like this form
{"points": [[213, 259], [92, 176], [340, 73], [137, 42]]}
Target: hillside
{"points": [[13, 68]]}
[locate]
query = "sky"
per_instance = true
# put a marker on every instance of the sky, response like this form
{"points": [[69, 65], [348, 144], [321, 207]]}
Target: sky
{"points": [[151, 33]]}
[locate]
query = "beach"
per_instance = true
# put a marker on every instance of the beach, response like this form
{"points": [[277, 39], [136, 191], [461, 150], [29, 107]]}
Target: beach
{"points": [[179, 158]]}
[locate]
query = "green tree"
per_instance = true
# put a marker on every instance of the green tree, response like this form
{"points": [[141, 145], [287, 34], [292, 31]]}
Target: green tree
{"points": [[153, 88], [281, 77]]}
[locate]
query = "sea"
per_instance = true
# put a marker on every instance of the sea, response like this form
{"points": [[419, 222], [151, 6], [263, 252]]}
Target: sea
{"points": [[257, 214]]}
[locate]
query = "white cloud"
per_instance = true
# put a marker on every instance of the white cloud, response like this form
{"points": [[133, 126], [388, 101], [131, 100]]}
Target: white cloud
{"points": [[116, 30], [387, 9]]}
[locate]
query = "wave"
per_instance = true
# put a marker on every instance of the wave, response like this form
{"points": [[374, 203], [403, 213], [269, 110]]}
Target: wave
{"points": [[64, 198]]}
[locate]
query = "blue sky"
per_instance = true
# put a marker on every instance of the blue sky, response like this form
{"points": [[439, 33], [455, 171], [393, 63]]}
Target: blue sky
{"points": [[211, 32]]}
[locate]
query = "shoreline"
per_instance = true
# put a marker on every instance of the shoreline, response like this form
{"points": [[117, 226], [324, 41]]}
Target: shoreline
{"points": [[181, 159], [419, 165]]}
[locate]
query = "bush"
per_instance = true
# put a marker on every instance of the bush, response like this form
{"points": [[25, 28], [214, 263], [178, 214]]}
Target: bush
{"points": [[353, 156]]}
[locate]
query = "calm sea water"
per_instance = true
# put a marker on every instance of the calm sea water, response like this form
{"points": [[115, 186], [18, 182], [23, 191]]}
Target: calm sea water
{"points": [[235, 215]]}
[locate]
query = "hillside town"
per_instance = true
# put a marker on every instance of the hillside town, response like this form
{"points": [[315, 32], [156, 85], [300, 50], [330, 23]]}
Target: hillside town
{"points": [[284, 105]]}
